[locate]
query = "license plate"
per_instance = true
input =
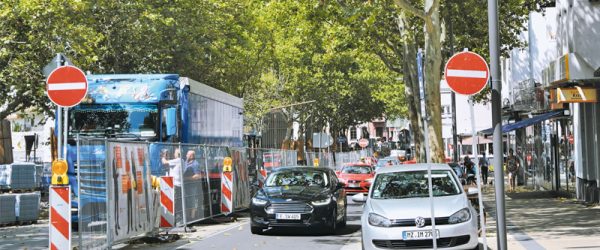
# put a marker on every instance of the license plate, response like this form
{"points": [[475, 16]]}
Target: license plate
{"points": [[419, 235], [282, 216], [354, 185]]}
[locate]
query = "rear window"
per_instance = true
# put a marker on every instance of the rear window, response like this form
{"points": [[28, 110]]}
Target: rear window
{"points": [[356, 170], [410, 184], [298, 178]]}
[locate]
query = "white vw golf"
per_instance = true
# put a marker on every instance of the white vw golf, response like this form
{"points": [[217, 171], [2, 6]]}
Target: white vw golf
{"points": [[397, 212]]}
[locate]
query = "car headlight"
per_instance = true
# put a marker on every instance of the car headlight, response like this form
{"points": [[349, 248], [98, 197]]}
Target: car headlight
{"points": [[322, 202], [258, 202], [461, 216], [370, 180], [378, 220]]}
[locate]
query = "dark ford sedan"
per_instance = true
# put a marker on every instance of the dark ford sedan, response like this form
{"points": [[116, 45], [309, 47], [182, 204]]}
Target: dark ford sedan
{"points": [[303, 197]]}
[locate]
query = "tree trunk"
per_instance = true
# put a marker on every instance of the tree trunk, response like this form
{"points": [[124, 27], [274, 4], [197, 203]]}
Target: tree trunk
{"points": [[411, 87], [432, 72]]}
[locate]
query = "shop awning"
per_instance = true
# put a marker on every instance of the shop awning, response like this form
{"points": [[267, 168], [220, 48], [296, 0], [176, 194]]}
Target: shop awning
{"points": [[480, 139], [523, 123]]}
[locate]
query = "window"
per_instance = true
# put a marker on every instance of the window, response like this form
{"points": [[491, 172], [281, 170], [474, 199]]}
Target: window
{"points": [[399, 185], [353, 133]]}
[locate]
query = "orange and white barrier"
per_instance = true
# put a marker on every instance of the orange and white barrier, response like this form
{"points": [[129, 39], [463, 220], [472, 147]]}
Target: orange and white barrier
{"points": [[167, 202], [226, 194], [262, 178], [227, 187], [60, 217]]}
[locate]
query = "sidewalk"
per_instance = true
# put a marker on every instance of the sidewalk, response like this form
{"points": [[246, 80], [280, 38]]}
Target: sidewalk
{"points": [[538, 220]]}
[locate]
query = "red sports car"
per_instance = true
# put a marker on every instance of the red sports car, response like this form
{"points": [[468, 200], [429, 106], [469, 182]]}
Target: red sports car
{"points": [[357, 177]]}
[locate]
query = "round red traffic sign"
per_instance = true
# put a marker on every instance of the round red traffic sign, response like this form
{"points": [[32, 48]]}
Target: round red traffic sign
{"points": [[363, 143], [466, 73], [66, 86]]}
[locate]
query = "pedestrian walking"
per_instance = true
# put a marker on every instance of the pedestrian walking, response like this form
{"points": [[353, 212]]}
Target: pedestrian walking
{"points": [[512, 166], [483, 165]]}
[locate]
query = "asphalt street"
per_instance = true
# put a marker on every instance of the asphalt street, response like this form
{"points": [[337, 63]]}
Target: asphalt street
{"points": [[240, 237]]}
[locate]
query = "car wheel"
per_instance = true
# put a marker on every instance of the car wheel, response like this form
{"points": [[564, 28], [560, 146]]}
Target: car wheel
{"points": [[345, 218], [333, 227], [256, 230]]}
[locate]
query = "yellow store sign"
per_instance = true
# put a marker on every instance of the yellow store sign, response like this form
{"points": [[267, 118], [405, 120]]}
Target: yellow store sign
{"points": [[576, 95]]}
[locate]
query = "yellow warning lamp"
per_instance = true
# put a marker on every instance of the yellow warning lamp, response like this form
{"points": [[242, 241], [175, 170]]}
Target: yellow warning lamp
{"points": [[59, 172], [227, 164], [316, 162]]}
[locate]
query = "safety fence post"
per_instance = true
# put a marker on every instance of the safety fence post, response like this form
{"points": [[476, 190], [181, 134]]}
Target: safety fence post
{"points": [[80, 224], [227, 187], [60, 207], [183, 205], [109, 172], [167, 202], [206, 153]]}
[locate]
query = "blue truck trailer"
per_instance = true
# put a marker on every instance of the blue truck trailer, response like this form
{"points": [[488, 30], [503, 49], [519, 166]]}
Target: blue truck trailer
{"points": [[153, 108]]}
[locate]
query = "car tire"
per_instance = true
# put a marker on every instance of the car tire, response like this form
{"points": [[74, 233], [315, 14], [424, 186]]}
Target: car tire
{"points": [[331, 229], [342, 224], [256, 230]]}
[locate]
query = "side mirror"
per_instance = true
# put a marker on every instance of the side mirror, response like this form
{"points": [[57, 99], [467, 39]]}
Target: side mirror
{"points": [[360, 198], [171, 120], [472, 191]]}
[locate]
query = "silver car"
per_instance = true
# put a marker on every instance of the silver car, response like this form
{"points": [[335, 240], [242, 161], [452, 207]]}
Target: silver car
{"points": [[397, 212]]}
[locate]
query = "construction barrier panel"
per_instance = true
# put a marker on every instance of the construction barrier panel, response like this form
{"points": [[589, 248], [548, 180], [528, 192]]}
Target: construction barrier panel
{"points": [[167, 202], [60, 218], [129, 191], [116, 199], [90, 188]]}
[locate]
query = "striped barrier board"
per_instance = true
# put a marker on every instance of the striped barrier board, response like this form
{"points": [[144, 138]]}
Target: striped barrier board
{"points": [[262, 178], [60, 218], [226, 192], [167, 202]]}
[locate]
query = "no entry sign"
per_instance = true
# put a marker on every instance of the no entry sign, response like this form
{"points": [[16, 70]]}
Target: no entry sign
{"points": [[467, 73], [66, 86]]}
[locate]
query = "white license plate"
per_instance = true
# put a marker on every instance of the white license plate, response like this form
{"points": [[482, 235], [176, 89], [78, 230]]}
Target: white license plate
{"points": [[354, 185], [282, 216], [419, 235]]}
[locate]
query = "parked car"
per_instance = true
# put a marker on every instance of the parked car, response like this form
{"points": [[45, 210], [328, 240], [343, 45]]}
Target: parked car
{"points": [[304, 197], [397, 213], [356, 177]]}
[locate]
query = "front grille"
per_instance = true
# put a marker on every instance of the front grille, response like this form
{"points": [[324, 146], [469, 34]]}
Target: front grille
{"points": [[441, 242], [288, 208], [411, 222]]}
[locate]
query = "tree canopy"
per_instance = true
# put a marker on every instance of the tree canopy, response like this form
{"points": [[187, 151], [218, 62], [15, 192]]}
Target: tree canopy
{"points": [[354, 58]]}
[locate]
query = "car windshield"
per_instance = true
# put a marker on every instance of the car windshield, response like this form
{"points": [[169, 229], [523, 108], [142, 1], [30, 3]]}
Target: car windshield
{"points": [[140, 119], [298, 178], [356, 170], [409, 184]]}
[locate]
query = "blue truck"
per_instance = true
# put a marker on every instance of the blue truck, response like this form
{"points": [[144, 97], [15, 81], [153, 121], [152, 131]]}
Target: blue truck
{"points": [[153, 108]]}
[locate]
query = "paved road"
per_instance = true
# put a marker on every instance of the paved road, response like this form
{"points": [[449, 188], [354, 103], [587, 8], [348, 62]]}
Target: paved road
{"points": [[240, 238]]}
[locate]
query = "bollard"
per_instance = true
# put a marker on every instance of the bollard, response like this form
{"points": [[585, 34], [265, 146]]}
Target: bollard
{"points": [[167, 202], [227, 187], [60, 207]]}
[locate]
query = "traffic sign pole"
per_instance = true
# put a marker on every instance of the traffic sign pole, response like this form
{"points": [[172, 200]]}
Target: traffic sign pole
{"points": [[475, 143], [497, 120], [58, 117]]}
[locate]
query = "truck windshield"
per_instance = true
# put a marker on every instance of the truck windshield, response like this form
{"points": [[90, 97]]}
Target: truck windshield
{"points": [[136, 119]]}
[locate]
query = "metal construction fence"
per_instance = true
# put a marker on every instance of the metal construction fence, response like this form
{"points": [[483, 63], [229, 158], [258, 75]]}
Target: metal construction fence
{"points": [[117, 201], [325, 159], [338, 159]]}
